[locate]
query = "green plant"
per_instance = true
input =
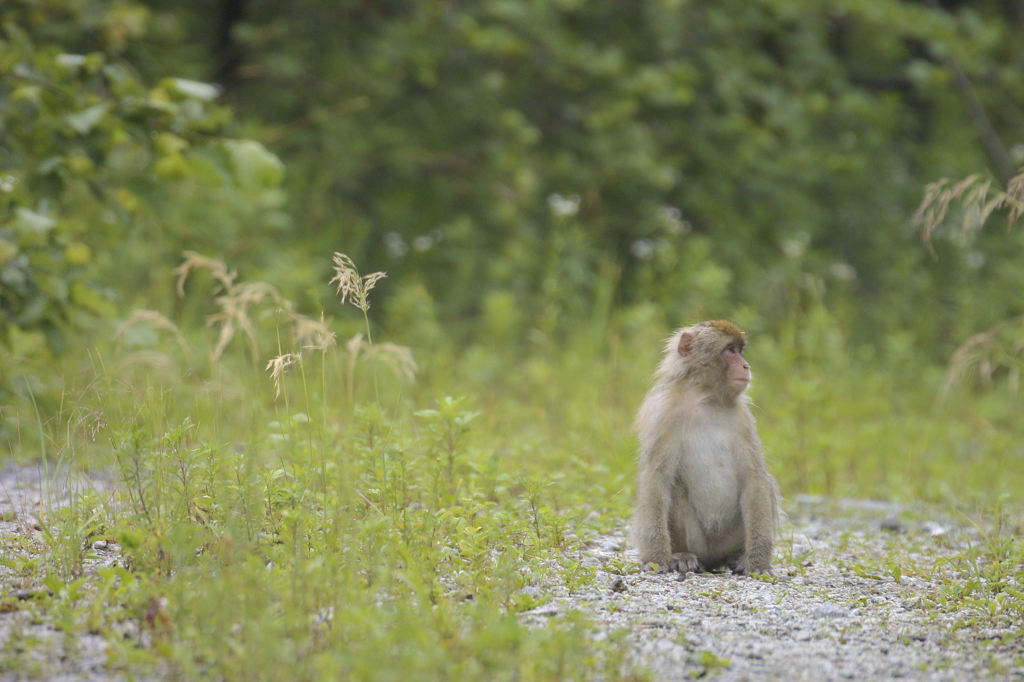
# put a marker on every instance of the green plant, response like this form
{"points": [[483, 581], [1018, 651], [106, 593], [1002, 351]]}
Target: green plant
{"points": [[445, 426], [92, 153], [1000, 348]]}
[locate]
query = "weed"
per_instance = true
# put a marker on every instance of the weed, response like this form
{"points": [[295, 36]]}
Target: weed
{"points": [[327, 525]]}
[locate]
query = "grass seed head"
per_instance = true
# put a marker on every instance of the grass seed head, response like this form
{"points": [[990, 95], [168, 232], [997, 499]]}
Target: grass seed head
{"points": [[351, 287], [278, 366]]}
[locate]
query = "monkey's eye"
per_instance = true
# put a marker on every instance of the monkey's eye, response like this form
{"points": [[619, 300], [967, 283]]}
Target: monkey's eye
{"points": [[734, 348]]}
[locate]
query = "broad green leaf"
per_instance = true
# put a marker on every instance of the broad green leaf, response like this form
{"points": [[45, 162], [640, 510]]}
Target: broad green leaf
{"points": [[196, 89], [87, 297], [72, 62], [7, 251], [84, 121], [31, 226], [254, 165], [78, 253]]}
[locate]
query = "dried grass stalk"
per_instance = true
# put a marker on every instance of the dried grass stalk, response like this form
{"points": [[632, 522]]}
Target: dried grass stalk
{"points": [[978, 198], [278, 366], [351, 287]]}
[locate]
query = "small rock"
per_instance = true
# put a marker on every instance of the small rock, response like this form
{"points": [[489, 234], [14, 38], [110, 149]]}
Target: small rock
{"points": [[891, 524], [801, 545], [830, 611], [543, 610]]}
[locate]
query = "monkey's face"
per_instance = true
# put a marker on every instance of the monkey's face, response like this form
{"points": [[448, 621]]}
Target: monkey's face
{"points": [[737, 369], [708, 356]]}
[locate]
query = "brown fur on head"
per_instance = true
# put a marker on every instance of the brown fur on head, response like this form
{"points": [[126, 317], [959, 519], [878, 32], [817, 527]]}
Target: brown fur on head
{"points": [[694, 355], [729, 329]]}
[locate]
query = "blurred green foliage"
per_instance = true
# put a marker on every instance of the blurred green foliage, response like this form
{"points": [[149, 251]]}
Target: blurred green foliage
{"points": [[106, 175], [562, 158], [340, 521], [550, 185], [686, 154], [539, 180]]}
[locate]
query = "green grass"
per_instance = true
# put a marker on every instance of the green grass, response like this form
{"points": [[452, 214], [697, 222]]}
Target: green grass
{"points": [[349, 523], [307, 544]]}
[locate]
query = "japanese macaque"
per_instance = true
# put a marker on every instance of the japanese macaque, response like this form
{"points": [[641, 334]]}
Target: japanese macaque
{"points": [[704, 498]]}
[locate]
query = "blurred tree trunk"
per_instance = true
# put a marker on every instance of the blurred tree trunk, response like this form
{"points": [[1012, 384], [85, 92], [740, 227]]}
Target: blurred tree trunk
{"points": [[227, 52], [994, 147]]}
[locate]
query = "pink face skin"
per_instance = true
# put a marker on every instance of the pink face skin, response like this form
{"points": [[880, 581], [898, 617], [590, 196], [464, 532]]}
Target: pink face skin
{"points": [[737, 368]]}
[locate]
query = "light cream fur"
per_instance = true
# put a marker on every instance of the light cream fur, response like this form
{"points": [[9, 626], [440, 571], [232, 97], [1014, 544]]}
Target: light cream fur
{"points": [[704, 496]]}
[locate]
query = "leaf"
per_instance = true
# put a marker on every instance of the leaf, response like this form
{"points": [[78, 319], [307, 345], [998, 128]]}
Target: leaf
{"points": [[84, 121], [29, 93], [32, 312], [255, 166], [169, 143], [195, 89], [55, 338], [88, 297], [32, 227], [49, 164], [70, 61], [15, 278], [8, 251], [53, 286]]}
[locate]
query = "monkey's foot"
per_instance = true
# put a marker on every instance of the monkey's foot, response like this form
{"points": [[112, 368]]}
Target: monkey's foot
{"points": [[680, 561], [741, 567]]}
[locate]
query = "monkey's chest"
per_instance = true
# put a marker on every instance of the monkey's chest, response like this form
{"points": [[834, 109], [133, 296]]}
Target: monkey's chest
{"points": [[711, 473]]}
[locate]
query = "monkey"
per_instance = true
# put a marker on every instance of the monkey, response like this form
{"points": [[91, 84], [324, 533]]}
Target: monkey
{"points": [[704, 497]]}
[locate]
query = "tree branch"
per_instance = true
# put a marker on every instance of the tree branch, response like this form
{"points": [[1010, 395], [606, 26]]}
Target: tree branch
{"points": [[994, 147]]}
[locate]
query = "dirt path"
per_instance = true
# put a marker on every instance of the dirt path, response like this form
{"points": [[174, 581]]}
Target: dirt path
{"points": [[836, 610], [854, 597]]}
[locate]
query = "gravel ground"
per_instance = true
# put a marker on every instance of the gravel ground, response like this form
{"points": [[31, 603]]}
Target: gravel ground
{"points": [[830, 614], [834, 610], [42, 652]]}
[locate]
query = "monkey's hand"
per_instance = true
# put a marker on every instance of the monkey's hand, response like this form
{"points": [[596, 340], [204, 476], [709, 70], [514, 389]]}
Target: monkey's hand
{"points": [[684, 562], [680, 561]]}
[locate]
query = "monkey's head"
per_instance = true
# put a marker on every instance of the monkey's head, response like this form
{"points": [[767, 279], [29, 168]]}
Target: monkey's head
{"points": [[708, 356]]}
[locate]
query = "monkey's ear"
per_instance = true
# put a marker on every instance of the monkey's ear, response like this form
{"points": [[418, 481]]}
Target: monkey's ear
{"points": [[685, 343]]}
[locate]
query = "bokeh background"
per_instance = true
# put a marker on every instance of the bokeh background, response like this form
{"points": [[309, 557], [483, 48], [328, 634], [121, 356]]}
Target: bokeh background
{"points": [[304, 482], [551, 187]]}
